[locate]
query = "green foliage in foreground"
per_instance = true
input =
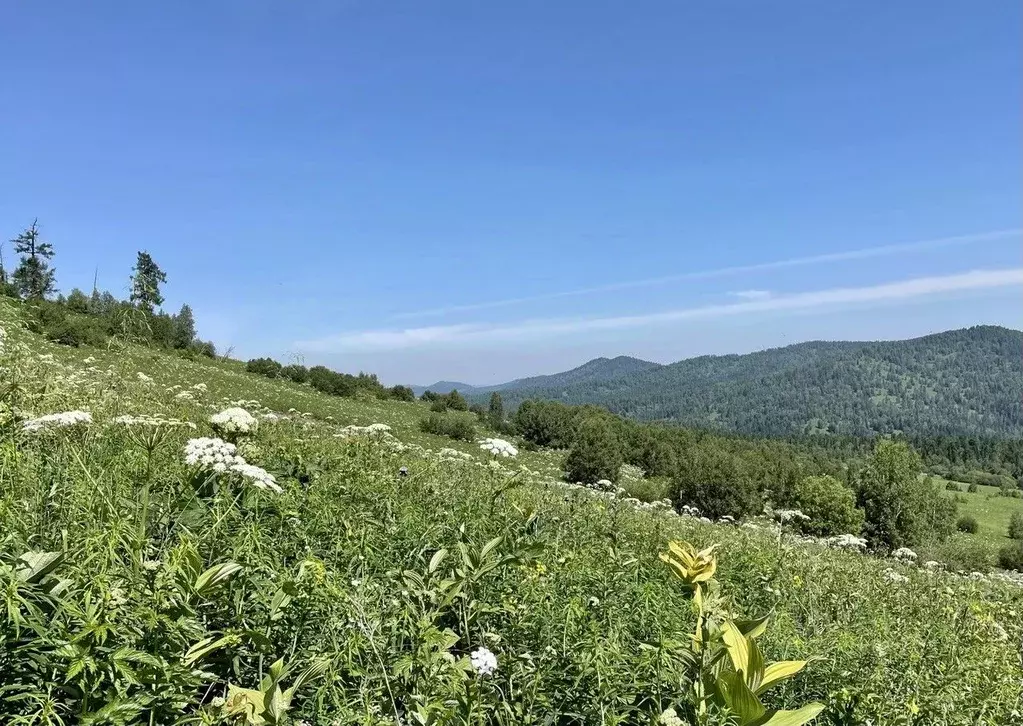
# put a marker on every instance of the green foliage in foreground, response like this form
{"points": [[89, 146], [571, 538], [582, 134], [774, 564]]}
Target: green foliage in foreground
{"points": [[139, 591]]}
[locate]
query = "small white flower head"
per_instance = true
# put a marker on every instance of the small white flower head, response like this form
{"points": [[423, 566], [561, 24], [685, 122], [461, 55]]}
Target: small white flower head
{"points": [[785, 516], [498, 447], [669, 717], [894, 577], [846, 542], [483, 661], [905, 554], [257, 477], [89, 361], [211, 454], [201, 387], [234, 421], [932, 565], [184, 396], [143, 378], [151, 421], [57, 421]]}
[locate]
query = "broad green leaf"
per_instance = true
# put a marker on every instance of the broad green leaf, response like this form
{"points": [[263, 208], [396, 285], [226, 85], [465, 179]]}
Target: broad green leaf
{"points": [[778, 672], [739, 698], [490, 546], [737, 645], [203, 648], [756, 666], [804, 715], [215, 575], [38, 565], [753, 628], [437, 558], [314, 671]]}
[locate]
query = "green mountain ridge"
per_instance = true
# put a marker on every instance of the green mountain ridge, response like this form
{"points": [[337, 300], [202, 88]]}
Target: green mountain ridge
{"points": [[966, 381]]}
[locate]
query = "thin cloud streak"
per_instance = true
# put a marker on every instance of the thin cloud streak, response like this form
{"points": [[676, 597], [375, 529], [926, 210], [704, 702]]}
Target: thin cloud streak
{"points": [[860, 254], [527, 330]]}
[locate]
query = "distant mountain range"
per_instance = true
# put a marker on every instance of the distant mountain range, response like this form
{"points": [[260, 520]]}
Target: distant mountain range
{"points": [[967, 381]]}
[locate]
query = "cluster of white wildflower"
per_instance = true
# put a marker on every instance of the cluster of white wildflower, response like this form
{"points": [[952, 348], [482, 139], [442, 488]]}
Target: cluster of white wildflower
{"points": [[932, 565], [270, 416], [669, 717], [143, 378], [448, 453], [57, 421], [895, 577], [376, 429], [690, 511], [603, 485], [234, 421], [184, 396], [221, 457], [200, 387], [151, 420], [846, 542], [498, 447], [258, 477], [212, 453], [787, 516], [89, 361], [483, 661], [905, 554]]}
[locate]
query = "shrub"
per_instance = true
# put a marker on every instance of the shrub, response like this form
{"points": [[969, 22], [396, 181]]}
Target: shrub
{"points": [[264, 366], [1010, 557], [204, 348], [830, 505], [457, 402], [967, 524], [1016, 526], [455, 427], [296, 373], [596, 454], [718, 483], [402, 393], [963, 553], [972, 489], [649, 490], [901, 508], [439, 404], [951, 486], [76, 330]]}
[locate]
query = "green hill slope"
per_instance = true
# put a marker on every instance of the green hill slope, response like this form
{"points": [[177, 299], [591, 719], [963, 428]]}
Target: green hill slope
{"points": [[967, 381], [141, 588]]}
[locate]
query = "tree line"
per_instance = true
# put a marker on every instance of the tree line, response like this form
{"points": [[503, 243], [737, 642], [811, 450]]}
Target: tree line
{"points": [[81, 319]]}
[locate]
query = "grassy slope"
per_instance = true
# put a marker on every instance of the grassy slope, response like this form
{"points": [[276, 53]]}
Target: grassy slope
{"points": [[568, 635], [992, 512]]}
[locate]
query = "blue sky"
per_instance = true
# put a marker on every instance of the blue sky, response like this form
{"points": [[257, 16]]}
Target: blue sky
{"points": [[480, 191]]}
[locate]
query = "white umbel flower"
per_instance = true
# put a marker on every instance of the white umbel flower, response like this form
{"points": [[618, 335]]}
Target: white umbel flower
{"points": [[790, 515], [846, 542], [483, 661], [213, 454], [498, 447], [57, 421], [905, 554], [257, 477], [234, 421]]}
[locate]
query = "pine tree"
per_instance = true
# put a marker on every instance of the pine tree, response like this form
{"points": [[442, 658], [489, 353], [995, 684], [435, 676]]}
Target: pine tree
{"points": [[184, 328], [34, 278], [145, 283], [496, 411]]}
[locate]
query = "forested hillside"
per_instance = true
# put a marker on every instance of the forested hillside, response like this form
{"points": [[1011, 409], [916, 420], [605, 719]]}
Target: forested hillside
{"points": [[967, 381]]}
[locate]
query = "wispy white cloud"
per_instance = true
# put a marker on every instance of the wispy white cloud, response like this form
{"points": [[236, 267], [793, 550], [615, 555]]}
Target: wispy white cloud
{"points": [[860, 254], [474, 333], [751, 294]]}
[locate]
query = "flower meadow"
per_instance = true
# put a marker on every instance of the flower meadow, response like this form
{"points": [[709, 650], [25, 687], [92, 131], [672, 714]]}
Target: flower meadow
{"points": [[255, 552]]}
